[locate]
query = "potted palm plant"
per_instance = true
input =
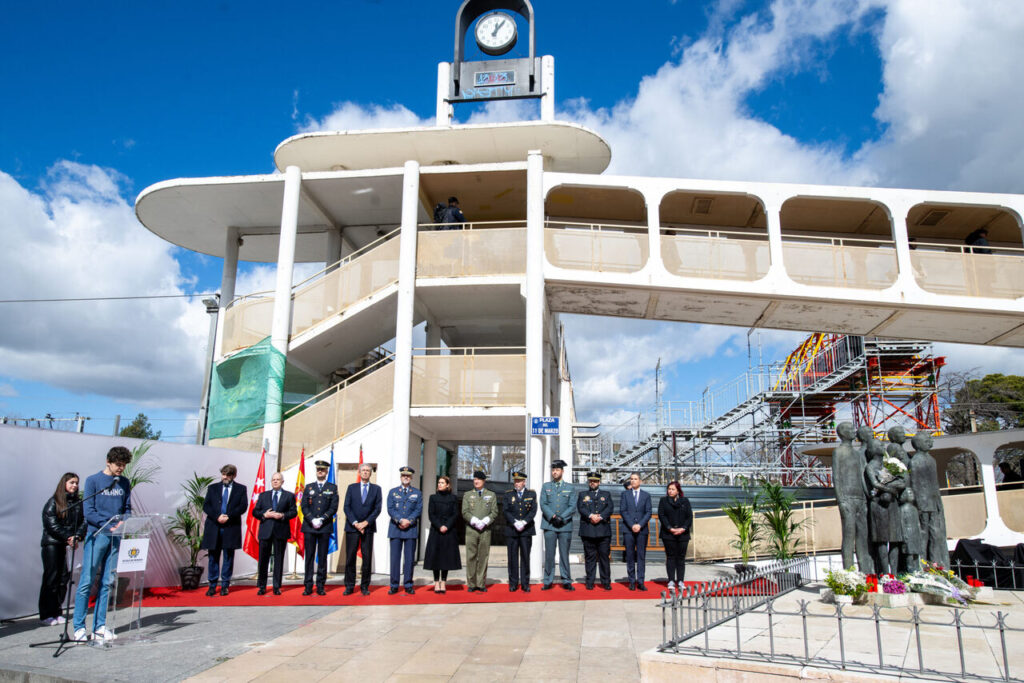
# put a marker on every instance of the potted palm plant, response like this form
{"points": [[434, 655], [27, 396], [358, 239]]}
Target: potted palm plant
{"points": [[186, 528], [743, 515], [780, 526]]}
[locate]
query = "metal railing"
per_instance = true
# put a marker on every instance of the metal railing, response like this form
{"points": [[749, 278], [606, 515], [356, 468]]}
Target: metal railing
{"points": [[856, 262], [715, 253], [601, 247], [961, 270], [1004, 576]]}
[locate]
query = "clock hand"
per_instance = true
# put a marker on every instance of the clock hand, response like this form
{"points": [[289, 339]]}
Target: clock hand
{"points": [[495, 31]]}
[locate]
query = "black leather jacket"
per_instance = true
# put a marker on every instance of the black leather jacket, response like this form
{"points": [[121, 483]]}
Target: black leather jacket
{"points": [[57, 531]]}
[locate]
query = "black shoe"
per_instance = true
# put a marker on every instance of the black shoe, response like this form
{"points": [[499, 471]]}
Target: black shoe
{"points": [[482, 590], [392, 591], [526, 589], [308, 591], [320, 590], [277, 591], [410, 591], [513, 589], [349, 591], [224, 590], [212, 590], [547, 587], [590, 586], [641, 587], [606, 586], [632, 585], [261, 591], [568, 586], [364, 591]]}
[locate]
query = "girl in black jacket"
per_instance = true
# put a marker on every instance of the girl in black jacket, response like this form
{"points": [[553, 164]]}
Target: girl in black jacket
{"points": [[63, 527], [675, 518]]}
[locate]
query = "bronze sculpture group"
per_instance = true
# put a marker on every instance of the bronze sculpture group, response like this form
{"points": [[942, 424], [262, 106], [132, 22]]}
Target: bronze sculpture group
{"points": [[889, 503]]}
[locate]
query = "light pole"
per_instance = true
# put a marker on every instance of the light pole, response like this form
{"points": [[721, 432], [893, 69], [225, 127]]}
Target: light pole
{"points": [[213, 308]]}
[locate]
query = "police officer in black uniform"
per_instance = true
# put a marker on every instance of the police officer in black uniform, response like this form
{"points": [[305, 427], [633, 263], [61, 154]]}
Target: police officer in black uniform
{"points": [[519, 506], [595, 508], [319, 507]]}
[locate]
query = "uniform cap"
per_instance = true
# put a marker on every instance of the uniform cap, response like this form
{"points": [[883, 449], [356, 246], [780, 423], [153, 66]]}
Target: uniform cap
{"points": [[479, 474], [593, 476], [322, 464], [518, 476], [407, 470], [558, 463]]}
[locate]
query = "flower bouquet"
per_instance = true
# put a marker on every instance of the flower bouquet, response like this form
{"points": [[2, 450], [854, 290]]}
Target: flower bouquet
{"points": [[935, 580], [845, 586], [892, 467]]}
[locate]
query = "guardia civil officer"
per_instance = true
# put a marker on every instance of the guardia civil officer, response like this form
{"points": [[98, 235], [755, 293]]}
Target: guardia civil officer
{"points": [[595, 508], [319, 507], [520, 507], [479, 509], [405, 505], [557, 507]]}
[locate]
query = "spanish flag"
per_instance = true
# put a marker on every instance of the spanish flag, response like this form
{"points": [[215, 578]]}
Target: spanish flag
{"points": [[300, 483]]}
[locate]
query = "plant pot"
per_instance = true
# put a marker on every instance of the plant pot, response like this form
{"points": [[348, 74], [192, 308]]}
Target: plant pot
{"points": [[190, 577], [826, 595]]}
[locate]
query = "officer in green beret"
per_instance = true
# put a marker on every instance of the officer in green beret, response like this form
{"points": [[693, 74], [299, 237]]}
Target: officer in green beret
{"points": [[520, 507], [479, 509]]}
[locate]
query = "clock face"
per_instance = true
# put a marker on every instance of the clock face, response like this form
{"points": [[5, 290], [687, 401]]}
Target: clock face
{"points": [[496, 33]]}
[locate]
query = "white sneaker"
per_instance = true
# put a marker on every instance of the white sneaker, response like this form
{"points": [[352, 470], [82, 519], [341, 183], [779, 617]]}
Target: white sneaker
{"points": [[81, 636], [60, 620], [103, 633], [49, 621]]}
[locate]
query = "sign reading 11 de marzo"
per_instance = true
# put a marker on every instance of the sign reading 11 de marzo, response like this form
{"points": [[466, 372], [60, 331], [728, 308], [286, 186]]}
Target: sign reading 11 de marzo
{"points": [[544, 426]]}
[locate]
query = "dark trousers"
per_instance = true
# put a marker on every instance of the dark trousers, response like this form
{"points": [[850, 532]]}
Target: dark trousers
{"points": [[316, 550], [636, 555], [675, 557], [440, 575], [596, 554], [519, 559], [398, 545], [220, 568], [268, 546], [353, 539], [55, 581]]}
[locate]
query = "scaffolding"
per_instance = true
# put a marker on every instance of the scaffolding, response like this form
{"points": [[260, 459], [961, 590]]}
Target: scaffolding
{"points": [[755, 426]]}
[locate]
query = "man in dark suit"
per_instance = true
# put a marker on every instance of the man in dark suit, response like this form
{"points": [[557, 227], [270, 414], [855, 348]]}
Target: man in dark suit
{"points": [[635, 508], [595, 508], [319, 507], [224, 505], [519, 507], [274, 509], [363, 502]]}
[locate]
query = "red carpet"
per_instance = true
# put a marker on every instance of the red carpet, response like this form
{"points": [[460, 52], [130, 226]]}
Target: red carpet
{"points": [[245, 596]]}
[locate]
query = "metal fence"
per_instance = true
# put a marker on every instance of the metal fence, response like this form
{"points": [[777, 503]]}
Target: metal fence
{"points": [[689, 614], [1004, 576]]}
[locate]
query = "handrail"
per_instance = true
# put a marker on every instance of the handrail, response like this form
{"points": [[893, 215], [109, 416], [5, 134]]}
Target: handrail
{"points": [[251, 295], [468, 350], [548, 222], [710, 232], [361, 251], [791, 237], [965, 248], [334, 388], [472, 225]]}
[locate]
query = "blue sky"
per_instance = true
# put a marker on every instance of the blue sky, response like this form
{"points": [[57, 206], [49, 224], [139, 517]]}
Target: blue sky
{"points": [[105, 99]]}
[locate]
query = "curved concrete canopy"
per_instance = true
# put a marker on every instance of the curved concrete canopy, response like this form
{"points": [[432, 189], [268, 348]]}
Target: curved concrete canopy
{"points": [[567, 147]]}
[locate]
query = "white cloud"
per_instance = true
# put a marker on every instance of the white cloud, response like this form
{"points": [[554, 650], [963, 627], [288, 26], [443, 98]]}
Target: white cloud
{"points": [[7, 390], [79, 238]]}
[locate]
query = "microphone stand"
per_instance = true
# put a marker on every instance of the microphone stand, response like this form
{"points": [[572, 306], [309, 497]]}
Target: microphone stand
{"points": [[65, 642]]}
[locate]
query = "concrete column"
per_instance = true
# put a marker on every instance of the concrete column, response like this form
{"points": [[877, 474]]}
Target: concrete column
{"points": [[406, 311], [898, 213], [565, 444], [547, 86], [995, 532], [333, 253], [280, 329], [433, 338], [228, 275], [444, 110], [497, 464], [773, 216], [429, 485], [655, 262], [535, 325]]}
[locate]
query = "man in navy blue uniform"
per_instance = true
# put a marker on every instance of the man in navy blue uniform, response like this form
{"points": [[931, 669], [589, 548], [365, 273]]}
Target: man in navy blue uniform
{"points": [[405, 505], [224, 505], [319, 507], [635, 508], [362, 506], [595, 508], [519, 507], [274, 509]]}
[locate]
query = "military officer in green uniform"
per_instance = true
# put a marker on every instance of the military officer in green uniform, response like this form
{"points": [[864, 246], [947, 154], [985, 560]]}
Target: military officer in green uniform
{"points": [[319, 506], [519, 507], [479, 509], [557, 507], [595, 507]]}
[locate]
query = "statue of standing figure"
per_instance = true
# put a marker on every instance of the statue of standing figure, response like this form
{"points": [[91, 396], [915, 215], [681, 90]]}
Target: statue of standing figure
{"points": [[924, 481], [852, 498], [885, 527], [911, 549]]}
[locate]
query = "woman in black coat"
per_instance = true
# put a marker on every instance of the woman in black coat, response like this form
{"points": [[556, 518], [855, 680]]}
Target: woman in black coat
{"points": [[442, 553], [675, 518], [63, 527]]}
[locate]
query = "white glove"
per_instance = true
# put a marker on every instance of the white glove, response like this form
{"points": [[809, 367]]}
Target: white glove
{"points": [[317, 522], [485, 521], [519, 525], [475, 523]]}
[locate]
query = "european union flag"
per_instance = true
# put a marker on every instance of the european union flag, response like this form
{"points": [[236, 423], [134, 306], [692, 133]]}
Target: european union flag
{"points": [[332, 545]]}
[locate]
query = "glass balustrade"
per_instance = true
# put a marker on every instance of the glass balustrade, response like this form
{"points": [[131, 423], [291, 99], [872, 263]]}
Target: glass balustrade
{"points": [[597, 247], [955, 269], [497, 248], [857, 263], [247, 321], [720, 254], [469, 377]]}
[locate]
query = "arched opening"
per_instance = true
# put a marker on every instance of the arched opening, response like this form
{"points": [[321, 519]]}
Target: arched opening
{"points": [[1009, 460], [596, 228], [967, 250], [714, 235], [963, 500], [836, 242]]}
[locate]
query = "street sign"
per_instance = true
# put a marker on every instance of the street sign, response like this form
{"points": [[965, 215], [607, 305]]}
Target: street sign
{"points": [[544, 426]]}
